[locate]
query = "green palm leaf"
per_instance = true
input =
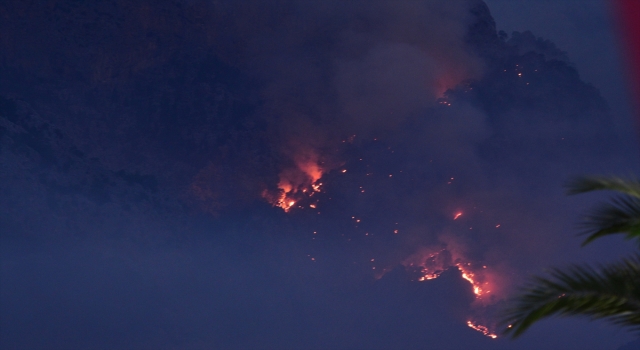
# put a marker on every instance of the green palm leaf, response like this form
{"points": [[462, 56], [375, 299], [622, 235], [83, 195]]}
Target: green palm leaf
{"points": [[611, 292], [621, 215], [594, 183]]}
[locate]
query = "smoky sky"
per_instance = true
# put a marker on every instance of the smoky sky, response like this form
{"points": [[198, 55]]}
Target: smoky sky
{"points": [[143, 144]]}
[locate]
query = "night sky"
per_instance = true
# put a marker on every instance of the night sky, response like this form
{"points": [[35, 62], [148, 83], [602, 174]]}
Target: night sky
{"points": [[194, 174]]}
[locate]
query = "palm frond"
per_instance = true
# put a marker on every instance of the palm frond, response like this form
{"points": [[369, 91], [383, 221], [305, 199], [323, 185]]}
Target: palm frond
{"points": [[611, 292], [621, 215], [594, 183]]}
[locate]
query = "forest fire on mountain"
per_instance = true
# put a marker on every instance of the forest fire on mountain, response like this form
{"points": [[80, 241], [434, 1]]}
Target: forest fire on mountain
{"points": [[296, 183], [430, 266]]}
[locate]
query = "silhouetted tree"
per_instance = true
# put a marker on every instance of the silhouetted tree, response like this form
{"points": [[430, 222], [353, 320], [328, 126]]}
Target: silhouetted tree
{"points": [[609, 292]]}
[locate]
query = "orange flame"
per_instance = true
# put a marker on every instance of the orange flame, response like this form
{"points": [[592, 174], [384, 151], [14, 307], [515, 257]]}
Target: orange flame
{"points": [[297, 183], [482, 329], [471, 278], [434, 264], [431, 266]]}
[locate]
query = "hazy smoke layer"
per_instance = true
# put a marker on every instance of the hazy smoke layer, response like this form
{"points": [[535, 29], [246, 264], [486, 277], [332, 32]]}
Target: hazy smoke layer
{"points": [[406, 140], [342, 69]]}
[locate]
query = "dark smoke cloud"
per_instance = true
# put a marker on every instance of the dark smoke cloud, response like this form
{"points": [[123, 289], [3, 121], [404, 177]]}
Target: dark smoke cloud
{"points": [[138, 138], [269, 78], [341, 69], [348, 65]]}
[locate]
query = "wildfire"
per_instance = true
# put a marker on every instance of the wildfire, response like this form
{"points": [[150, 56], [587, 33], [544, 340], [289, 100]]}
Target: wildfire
{"points": [[432, 265], [482, 329], [297, 183], [429, 276], [470, 277]]}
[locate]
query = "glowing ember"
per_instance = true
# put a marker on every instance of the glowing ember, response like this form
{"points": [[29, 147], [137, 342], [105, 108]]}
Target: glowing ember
{"points": [[482, 329], [429, 276], [470, 276], [297, 183], [431, 266], [458, 214]]}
